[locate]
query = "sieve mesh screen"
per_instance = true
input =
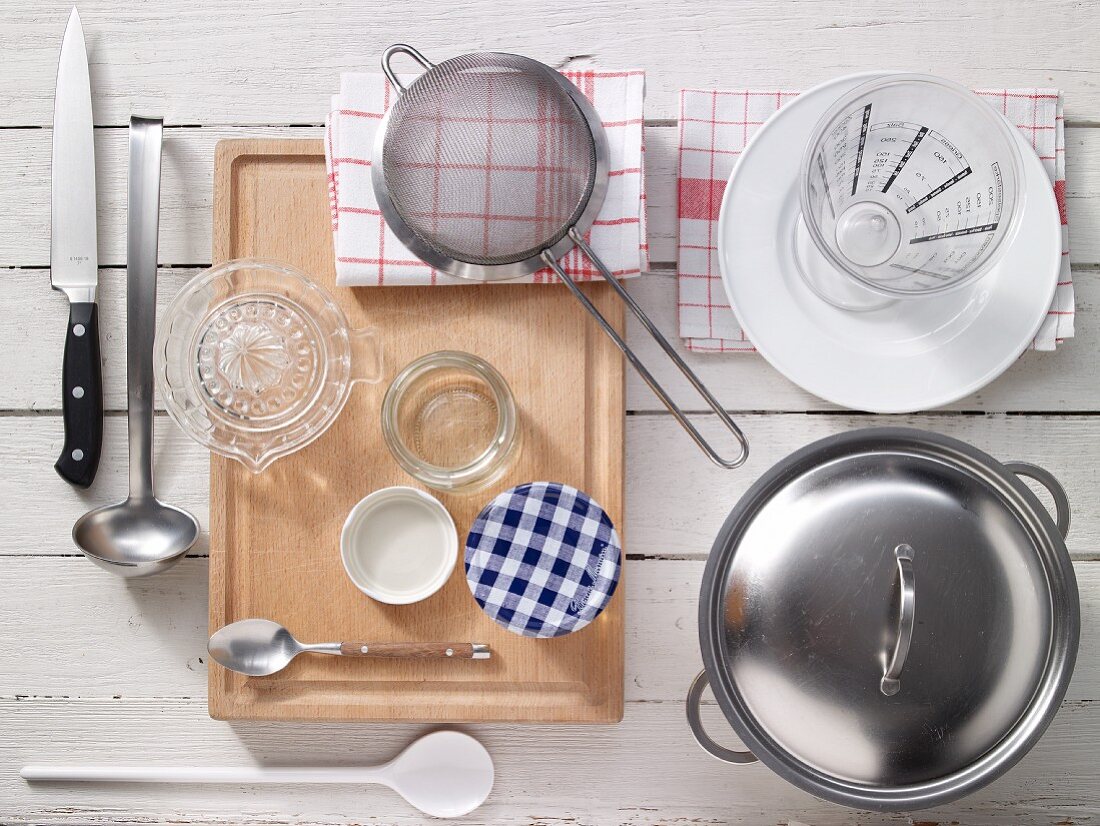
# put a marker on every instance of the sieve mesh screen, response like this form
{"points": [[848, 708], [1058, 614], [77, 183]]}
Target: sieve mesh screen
{"points": [[487, 159]]}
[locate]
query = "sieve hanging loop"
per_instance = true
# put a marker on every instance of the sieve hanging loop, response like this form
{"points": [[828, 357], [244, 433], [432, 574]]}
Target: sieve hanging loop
{"points": [[401, 48], [636, 362]]}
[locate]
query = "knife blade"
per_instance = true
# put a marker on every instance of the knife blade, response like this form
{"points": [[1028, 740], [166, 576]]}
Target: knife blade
{"points": [[73, 259]]}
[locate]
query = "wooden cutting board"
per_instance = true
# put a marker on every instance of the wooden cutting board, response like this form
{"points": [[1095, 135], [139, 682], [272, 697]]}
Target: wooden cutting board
{"points": [[274, 537]]}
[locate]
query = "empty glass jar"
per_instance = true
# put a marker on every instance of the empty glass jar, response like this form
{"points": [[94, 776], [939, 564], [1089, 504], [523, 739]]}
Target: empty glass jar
{"points": [[450, 421]]}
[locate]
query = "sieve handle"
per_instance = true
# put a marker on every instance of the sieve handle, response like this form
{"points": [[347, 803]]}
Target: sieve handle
{"points": [[723, 416], [401, 48]]}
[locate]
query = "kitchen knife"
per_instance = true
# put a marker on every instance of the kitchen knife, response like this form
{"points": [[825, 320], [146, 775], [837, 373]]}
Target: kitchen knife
{"points": [[73, 261]]}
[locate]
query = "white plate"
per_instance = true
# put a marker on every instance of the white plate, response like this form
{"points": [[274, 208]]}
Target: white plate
{"points": [[912, 355]]}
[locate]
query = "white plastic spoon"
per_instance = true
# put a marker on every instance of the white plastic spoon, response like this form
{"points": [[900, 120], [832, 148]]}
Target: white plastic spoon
{"points": [[443, 774]]}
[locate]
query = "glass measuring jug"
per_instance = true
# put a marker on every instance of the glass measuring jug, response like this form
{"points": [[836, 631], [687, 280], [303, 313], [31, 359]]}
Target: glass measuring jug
{"points": [[910, 186]]}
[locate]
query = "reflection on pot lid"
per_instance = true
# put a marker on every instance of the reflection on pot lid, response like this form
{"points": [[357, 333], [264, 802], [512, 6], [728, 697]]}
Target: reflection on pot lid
{"points": [[810, 617]]}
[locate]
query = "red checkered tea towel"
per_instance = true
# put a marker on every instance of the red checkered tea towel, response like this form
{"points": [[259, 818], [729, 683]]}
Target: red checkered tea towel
{"points": [[369, 254], [715, 126]]}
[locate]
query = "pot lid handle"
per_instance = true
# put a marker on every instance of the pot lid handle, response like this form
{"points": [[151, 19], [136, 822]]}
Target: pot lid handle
{"points": [[1053, 486], [907, 581], [695, 694]]}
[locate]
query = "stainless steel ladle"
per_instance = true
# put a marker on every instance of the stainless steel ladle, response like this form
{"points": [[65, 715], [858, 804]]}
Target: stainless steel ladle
{"points": [[140, 535]]}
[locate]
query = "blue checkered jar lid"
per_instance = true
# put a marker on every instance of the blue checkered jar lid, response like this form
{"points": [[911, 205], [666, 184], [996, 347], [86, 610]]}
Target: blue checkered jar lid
{"points": [[543, 559]]}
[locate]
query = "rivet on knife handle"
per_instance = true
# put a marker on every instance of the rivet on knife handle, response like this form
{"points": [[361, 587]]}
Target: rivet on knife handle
{"points": [[82, 397]]}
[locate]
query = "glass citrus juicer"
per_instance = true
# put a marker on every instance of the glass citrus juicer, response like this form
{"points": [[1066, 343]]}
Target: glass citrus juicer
{"points": [[911, 186], [255, 361]]}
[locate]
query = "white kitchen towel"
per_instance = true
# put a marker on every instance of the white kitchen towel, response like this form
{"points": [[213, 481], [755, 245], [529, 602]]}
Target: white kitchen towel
{"points": [[715, 126], [369, 254]]}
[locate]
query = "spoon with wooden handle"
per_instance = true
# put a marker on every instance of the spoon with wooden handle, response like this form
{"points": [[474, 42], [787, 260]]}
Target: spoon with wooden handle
{"points": [[258, 647]]}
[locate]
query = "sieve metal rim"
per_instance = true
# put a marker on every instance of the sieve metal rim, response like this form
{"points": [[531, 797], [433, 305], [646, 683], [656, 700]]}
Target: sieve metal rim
{"points": [[495, 272]]}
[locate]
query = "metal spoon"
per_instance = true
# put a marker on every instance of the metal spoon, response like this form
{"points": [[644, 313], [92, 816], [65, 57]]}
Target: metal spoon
{"points": [[139, 535], [443, 774], [259, 647]]}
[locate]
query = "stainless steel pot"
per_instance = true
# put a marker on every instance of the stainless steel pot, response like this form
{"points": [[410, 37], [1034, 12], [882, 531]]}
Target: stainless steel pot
{"points": [[889, 619]]}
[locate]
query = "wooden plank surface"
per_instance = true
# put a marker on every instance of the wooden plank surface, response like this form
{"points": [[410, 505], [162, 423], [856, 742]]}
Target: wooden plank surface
{"points": [[646, 771], [131, 685], [674, 502], [34, 326], [276, 63], [32, 333], [185, 232], [111, 700], [163, 619]]}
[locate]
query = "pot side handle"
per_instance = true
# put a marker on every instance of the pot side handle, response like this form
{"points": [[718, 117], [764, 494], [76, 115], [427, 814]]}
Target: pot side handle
{"points": [[1053, 486], [694, 695]]}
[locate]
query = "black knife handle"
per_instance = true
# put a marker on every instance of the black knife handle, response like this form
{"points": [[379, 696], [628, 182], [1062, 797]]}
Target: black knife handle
{"points": [[82, 399]]}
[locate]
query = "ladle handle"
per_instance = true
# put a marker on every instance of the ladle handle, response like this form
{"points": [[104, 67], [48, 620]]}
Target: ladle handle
{"points": [[417, 650], [142, 223]]}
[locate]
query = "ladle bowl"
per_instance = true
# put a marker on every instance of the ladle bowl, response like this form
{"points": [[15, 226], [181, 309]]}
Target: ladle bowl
{"points": [[136, 537]]}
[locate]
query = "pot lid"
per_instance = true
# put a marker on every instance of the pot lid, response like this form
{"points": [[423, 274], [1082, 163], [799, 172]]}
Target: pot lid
{"points": [[883, 608]]}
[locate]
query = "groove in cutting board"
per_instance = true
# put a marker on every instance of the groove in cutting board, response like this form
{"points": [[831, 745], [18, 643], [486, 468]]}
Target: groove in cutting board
{"points": [[274, 537]]}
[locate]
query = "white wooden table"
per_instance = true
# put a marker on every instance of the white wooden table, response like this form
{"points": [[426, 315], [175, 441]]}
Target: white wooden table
{"points": [[98, 669]]}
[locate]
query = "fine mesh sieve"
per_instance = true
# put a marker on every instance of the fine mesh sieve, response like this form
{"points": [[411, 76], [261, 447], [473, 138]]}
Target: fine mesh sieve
{"points": [[491, 166], [479, 111]]}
